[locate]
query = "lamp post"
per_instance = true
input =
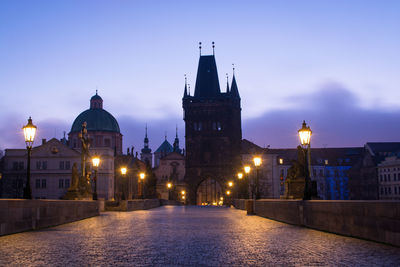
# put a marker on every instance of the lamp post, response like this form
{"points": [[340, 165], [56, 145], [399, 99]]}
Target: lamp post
{"points": [[247, 170], [29, 134], [142, 175], [305, 138], [96, 163], [257, 163], [124, 171], [169, 186]]}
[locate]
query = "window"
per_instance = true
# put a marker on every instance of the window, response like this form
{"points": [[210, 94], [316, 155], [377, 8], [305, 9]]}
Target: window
{"points": [[326, 162], [336, 173], [314, 172], [20, 165], [38, 164], [219, 126], [390, 190], [15, 165], [384, 177], [395, 190], [61, 183], [67, 165], [321, 172], [388, 177], [67, 183], [44, 165], [43, 183], [107, 142], [381, 190], [37, 183], [381, 177], [394, 176], [280, 161], [61, 165]]}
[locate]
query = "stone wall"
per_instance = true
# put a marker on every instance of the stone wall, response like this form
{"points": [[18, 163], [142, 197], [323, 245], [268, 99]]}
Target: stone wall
{"points": [[239, 204], [17, 215], [134, 204], [372, 220]]}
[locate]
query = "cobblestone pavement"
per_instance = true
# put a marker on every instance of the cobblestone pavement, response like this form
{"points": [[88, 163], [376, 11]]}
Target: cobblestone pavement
{"points": [[188, 236]]}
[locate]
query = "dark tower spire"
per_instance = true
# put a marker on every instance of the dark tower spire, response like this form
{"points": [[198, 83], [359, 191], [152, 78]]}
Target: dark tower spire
{"points": [[176, 142], [207, 83], [146, 148], [227, 83], [234, 88], [213, 46], [185, 93], [189, 88]]}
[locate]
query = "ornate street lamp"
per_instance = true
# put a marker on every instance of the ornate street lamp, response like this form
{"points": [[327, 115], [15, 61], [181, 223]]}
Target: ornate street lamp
{"points": [[169, 186], [257, 163], [240, 175], [142, 175], [96, 163], [230, 184], [29, 134], [305, 139]]}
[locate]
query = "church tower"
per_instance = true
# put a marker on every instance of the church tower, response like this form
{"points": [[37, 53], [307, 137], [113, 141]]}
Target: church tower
{"points": [[213, 133], [145, 154]]}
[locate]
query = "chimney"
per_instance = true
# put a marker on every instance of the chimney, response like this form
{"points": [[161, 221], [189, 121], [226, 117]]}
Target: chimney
{"points": [[43, 141]]}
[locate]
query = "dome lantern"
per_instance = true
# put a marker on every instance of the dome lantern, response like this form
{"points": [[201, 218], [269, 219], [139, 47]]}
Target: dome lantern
{"points": [[96, 102]]}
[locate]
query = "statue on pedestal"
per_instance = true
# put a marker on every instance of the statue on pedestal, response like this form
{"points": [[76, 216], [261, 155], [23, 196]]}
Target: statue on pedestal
{"points": [[295, 180], [80, 184]]}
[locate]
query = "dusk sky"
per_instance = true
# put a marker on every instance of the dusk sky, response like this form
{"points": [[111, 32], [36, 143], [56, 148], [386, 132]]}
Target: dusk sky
{"points": [[334, 64]]}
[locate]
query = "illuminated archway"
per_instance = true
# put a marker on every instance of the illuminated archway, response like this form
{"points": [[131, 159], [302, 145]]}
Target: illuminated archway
{"points": [[209, 192]]}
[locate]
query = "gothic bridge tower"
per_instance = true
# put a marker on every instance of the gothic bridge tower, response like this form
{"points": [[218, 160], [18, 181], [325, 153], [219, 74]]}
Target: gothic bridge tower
{"points": [[213, 134]]}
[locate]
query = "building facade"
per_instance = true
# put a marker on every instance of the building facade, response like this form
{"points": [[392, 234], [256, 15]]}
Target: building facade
{"points": [[213, 134], [389, 178]]}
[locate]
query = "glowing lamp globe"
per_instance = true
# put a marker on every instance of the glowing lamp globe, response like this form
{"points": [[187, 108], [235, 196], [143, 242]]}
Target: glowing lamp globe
{"points": [[123, 170], [29, 133], [305, 135], [96, 161]]}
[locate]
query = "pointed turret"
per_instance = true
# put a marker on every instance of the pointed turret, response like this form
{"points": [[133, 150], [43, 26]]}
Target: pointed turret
{"points": [[185, 94], [176, 142], [146, 148], [207, 83], [234, 88], [227, 83]]}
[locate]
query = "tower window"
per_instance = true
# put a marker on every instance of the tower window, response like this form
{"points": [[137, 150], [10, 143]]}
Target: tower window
{"points": [[219, 126]]}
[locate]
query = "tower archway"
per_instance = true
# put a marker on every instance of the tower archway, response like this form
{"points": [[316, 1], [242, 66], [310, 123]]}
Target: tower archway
{"points": [[209, 192]]}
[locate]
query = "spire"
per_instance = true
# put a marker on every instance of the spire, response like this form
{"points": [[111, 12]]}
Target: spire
{"points": [[189, 88], [200, 47], [207, 83], [176, 142], [234, 88], [213, 46], [185, 93], [146, 148], [227, 83]]}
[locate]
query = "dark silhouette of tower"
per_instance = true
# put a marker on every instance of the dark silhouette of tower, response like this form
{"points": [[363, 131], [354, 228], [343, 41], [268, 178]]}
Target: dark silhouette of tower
{"points": [[212, 129]]}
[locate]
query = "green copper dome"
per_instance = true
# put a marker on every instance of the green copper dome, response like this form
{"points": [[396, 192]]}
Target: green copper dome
{"points": [[96, 117]]}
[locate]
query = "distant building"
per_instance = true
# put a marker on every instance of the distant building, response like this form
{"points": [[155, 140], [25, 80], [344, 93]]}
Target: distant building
{"points": [[364, 177], [102, 127], [329, 168], [51, 165], [163, 150], [389, 178]]}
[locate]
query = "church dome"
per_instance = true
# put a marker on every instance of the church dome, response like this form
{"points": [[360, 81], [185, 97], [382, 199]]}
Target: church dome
{"points": [[96, 117]]}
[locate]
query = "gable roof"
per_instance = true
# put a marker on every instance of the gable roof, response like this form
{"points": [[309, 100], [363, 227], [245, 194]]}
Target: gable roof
{"points": [[165, 147]]}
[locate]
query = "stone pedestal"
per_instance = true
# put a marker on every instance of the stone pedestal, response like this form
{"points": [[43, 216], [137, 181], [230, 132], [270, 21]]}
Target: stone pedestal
{"points": [[294, 189]]}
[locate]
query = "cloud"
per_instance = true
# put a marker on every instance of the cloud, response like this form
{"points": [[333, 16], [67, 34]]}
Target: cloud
{"points": [[333, 112], [335, 116]]}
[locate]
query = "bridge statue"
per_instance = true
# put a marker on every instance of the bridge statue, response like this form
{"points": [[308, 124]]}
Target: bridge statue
{"points": [[295, 179], [80, 183]]}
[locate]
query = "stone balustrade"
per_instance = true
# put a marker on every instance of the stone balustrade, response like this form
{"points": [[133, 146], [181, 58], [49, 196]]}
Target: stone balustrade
{"points": [[372, 220], [18, 215]]}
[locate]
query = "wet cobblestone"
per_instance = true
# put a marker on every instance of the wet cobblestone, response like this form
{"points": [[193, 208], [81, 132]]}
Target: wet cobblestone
{"points": [[188, 236]]}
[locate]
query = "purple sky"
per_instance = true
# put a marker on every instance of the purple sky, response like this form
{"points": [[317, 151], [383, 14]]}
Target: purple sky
{"points": [[334, 64]]}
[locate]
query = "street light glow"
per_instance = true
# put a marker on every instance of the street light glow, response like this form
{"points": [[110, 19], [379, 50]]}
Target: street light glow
{"points": [[123, 170], [257, 161], [247, 169], [142, 175], [29, 133], [240, 175], [230, 184], [169, 185], [228, 192], [305, 134], [96, 161], [183, 192]]}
